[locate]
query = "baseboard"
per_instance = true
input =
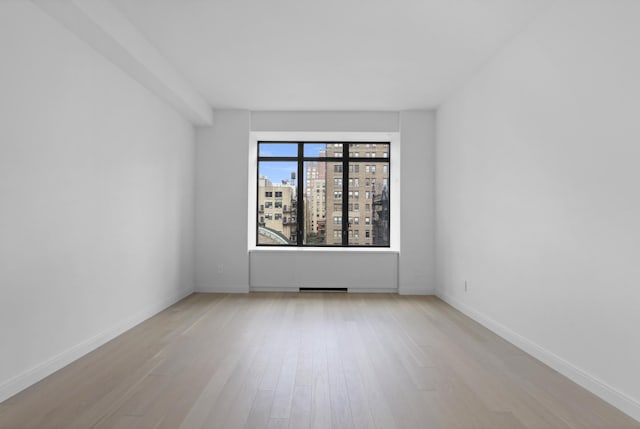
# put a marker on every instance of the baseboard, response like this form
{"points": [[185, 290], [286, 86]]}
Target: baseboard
{"points": [[31, 376], [373, 290], [350, 290], [623, 402], [224, 289], [273, 289], [415, 290]]}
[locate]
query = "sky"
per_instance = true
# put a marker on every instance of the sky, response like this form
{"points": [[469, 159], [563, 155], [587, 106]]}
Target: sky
{"points": [[277, 171]]}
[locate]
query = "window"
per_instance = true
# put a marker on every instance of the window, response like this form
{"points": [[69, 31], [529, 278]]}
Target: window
{"points": [[305, 175]]}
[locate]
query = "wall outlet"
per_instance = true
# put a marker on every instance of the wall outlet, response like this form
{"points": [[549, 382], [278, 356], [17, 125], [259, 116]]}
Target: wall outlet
{"points": [[465, 286]]}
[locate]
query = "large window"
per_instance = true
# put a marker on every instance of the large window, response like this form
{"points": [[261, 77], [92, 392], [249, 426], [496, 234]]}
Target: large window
{"points": [[323, 194]]}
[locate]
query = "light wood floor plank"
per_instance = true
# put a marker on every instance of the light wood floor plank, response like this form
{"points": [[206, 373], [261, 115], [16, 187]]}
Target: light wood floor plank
{"points": [[308, 360]]}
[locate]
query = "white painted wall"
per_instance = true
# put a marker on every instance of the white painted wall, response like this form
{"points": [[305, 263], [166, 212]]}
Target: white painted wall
{"points": [[325, 121], [417, 271], [357, 271], [96, 196], [537, 195], [223, 157], [222, 261]]}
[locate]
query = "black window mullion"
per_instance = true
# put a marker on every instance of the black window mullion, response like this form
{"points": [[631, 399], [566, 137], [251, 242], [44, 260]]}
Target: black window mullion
{"points": [[300, 196], [345, 194]]}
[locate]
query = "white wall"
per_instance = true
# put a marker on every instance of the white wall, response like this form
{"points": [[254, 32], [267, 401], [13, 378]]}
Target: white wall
{"points": [[537, 195], [357, 271], [96, 195], [417, 270], [223, 159], [222, 261]]}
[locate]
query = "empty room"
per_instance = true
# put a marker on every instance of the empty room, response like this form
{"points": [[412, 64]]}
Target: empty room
{"points": [[319, 214]]}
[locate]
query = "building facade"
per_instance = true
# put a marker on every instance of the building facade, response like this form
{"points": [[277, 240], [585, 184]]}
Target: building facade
{"points": [[277, 207], [368, 194]]}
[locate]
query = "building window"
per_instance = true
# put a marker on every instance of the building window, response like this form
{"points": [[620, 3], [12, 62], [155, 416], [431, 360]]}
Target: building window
{"points": [[291, 171]]}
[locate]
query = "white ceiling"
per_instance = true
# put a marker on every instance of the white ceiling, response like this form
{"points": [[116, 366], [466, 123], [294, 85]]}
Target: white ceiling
{"points": [[328, 54]]}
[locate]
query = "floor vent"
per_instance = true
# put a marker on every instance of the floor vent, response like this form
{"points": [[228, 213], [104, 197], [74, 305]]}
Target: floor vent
{"points": [[323, 289]]}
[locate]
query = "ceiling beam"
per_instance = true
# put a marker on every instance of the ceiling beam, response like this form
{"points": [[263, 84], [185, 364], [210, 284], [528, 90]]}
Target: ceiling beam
{"points": [[103, 27]]}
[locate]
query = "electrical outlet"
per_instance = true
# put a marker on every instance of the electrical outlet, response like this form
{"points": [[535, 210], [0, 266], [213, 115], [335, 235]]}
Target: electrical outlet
{"points": [[465, 286]]}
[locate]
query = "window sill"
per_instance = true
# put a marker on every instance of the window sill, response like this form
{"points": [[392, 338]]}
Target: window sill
{"points": [[270, 249]]}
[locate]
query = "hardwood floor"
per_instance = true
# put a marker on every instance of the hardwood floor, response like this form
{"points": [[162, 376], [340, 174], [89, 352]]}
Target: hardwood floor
{"points": [[308, 360]]}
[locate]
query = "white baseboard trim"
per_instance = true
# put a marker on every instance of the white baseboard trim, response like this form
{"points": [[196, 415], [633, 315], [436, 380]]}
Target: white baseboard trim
{"points": [[415, 290], [372, 290], [31, 376], [272, 289], [618, 399], [224, 289], [350, 290]]}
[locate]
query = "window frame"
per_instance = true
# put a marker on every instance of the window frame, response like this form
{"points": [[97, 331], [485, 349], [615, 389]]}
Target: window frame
{"points": [[350, 157], [370, 138]]}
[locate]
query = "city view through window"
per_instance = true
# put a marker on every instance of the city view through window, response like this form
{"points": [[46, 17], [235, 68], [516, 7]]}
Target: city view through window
{"points": [[323, 194]]}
